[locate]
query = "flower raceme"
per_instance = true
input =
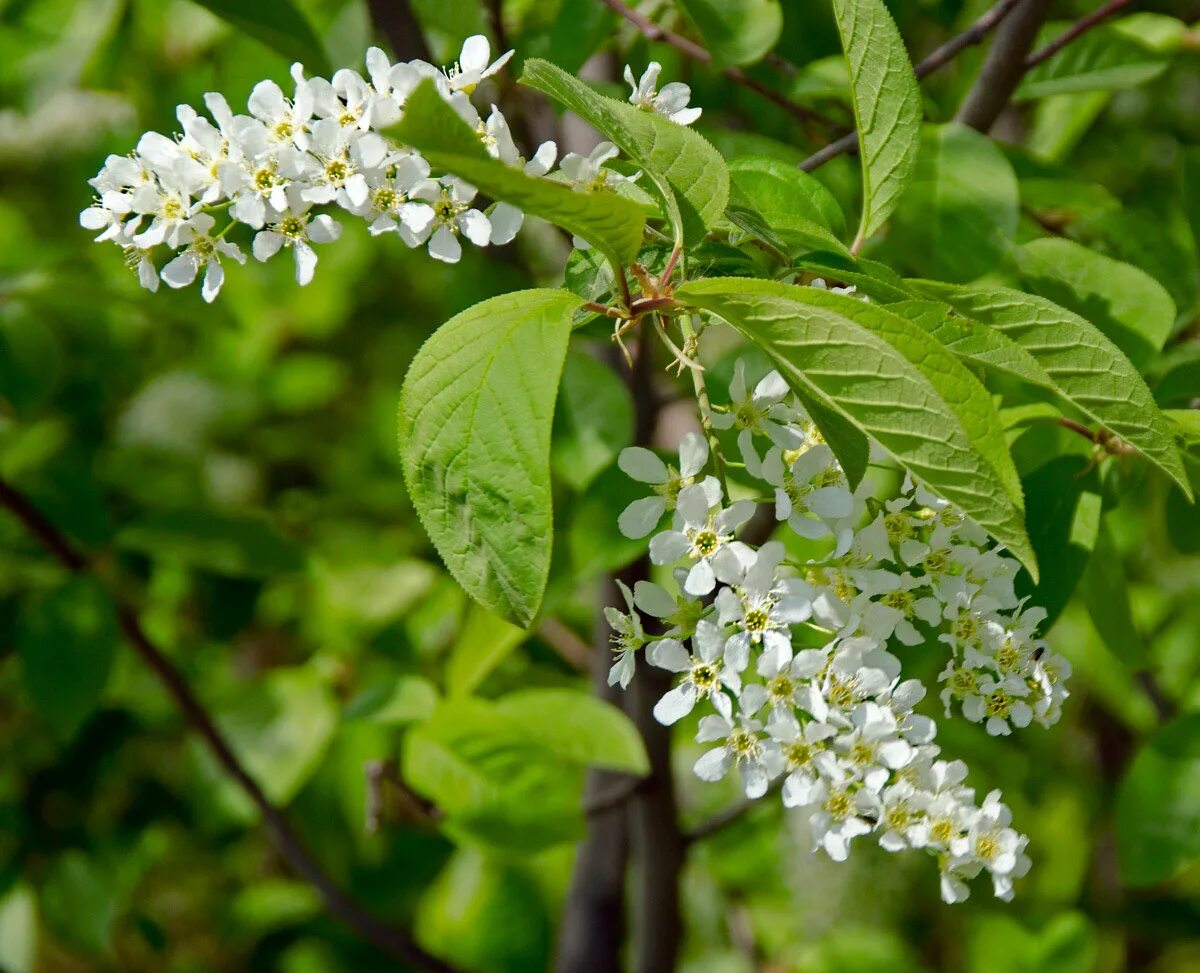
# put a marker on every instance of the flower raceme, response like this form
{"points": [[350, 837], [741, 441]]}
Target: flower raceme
{"points": [[282, 168], [830, 719]]}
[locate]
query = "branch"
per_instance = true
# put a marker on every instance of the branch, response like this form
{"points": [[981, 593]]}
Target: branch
{"points": [[397, 22], [573, 650], [1004, 67], [655, 32], [1076, 30], [935, 61], [730, 815], [395, 942]]}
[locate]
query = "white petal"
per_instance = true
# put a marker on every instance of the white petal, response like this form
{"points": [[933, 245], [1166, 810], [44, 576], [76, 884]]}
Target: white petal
{"points": [[444, 246], [182, 270], [476, 227], [505, 220], [306, 262], [475, 53], [676, 704], [641, 516], [642, 465], [653, 599], [669, 654], [324, 229], [700, 580], [692, 504], [713, 765], [668, 547], [214, 277], [267, 244], [693, 454]]}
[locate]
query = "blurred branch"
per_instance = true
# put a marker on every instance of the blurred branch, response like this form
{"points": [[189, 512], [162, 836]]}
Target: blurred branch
{"points": [[689, 48], [383, 778], [935, 61], [730, 815], [397, 22], [395, 942], [1004, 66], [570, 647], [1076, 30]]}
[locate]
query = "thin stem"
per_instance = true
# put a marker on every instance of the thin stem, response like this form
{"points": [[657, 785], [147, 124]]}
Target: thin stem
{"points": [[1076, 30], [570, 647], [729, 816], [688, 327], [655, 32], [680, 357], [393, 941]]}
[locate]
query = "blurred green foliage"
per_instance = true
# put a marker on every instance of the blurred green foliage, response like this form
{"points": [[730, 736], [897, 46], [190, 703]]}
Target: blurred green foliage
{"points": [[237, 466]]}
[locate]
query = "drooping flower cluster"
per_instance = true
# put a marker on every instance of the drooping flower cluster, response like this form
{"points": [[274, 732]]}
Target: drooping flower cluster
{"points": [[834, 726], [278, 169]]}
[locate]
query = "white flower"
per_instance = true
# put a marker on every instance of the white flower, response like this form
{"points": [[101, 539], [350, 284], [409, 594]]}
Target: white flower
{"points": [[873, 747], [671, 101], [999, 701], [275, 121], [472, 65], [837, 819], [788, 686], [897, 812], [506, 219], [679, 613], [297, 231], [451, 199], [996, 846], [204, 251], [761, 606], [811, 493], [744, 747], [628, 636], [804, 749], [759, 413], [587, 173], [705, 676], [390, 204], [705, 537], [640, 517]]}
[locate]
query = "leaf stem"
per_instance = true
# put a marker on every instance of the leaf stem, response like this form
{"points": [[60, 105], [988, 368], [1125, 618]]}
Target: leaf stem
{"points": [[687, 326]]}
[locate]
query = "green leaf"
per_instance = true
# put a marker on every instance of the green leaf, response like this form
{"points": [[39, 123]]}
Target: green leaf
{"points": [[280, 727], [593, 421], [239, 547], [1158, 805], [1088, 369], [688, 174], [958, 388], [736, 31], [18, 929], [788, 208], [510, 772], [607, 221], [1063, 519], [973, 342], [81, 901], [877, 281], [399, 700], [483, 644], [859, 374], [279, 25], [475, 419], [1104, 59], [68, 642], [1189, 175], [956, 219], [1127, 304], [887, 106], [1106, 594]]}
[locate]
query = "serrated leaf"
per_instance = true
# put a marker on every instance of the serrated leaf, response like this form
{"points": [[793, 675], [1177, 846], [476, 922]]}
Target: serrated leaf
{"points": [[958, 388], [276, 23], [877, 281], [1104, 59], [1158, 805], [607, 221], [736, 31], [856, 372], [1087, 369], [786, 208], [1127, 304], [887, 106], [960, 212], [483, 644], [973, 342], [67, 642], [475, 418], [689, 175]]}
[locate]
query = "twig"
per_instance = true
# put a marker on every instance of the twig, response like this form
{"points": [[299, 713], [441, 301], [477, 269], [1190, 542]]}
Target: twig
{"points": [[730, 815], [397, 22], [655, 32], [1004, 66], [393, 941], [570, 647], [1076, 30], [1103, 439], [935, 61], [615, 796]]}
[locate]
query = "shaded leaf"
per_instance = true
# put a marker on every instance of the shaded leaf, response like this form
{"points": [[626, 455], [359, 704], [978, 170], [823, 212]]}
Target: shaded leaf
{"points": [[736, 31], [483, 644], [276, 23], [240, 547]]}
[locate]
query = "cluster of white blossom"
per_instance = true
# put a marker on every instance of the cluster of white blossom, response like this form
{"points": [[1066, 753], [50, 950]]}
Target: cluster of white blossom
{"points": [[834, 725], [277, 168]]}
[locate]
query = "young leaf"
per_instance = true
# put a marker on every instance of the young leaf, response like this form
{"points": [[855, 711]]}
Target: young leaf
{"points": [[887, 106], [1102, 60], [688, 174], [1087, 369], [607, 221], [67, 642], [785, 207], [960, 390], [1127, 304], [483, 644], [276, 23], [854, 371], [736, 31], [973, 342], [475, 418], [961, 210]]}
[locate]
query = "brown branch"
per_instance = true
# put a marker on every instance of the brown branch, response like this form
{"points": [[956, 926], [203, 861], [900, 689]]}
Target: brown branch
{"points": [[729, 816], [689, 48], [570, 647], [935, 61], [395, 942], [1004, 66], [1076, 30], [397, 22]]}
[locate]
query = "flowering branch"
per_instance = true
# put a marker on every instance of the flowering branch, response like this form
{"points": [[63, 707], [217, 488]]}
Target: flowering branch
{"points": [[691, 49], [392, 940]]}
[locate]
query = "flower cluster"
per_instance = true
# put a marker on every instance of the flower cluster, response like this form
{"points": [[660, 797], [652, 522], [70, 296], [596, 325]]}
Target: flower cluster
{"points": [[833, 724], [278, 169]]}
